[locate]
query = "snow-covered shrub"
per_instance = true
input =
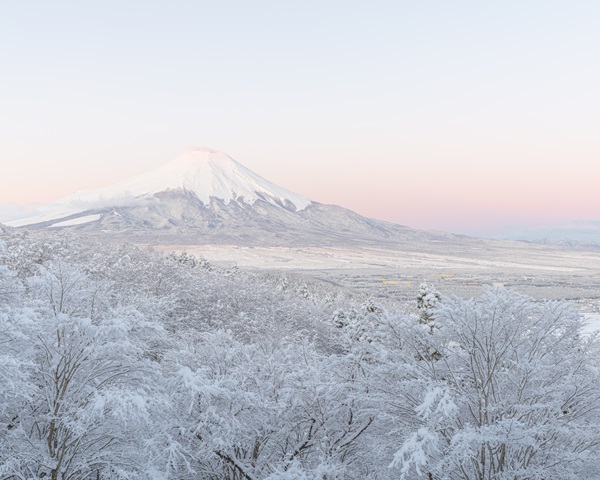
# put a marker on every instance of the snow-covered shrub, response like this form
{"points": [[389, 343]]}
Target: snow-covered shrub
{"points": [[514, 392]]}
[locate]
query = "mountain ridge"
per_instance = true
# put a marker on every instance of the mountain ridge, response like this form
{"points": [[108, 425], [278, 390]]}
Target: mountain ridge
{"points": [[206, 196]]}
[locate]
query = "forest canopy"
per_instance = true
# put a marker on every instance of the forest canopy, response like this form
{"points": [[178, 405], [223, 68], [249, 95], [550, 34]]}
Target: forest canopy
{"points": [[123, 363]]}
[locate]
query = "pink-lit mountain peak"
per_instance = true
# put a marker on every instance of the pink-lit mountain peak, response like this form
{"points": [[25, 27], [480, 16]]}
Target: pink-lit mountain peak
{"points": [[204, 172]]}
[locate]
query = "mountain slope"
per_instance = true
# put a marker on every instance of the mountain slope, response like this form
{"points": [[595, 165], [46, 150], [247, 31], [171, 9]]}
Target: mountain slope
{"points": [[205, 196], [203, 172]]}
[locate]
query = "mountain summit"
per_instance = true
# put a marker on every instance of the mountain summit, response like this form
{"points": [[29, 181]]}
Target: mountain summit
{"points": [[205, 196], [205, 173]]}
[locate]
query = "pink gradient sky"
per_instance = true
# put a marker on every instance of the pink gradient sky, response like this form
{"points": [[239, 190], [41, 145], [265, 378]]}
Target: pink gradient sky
{"points": [[464, 117]]}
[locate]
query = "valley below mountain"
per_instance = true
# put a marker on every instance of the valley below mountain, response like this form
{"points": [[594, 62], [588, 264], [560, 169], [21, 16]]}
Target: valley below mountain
{"points": [[206, 203], [541, 272]]}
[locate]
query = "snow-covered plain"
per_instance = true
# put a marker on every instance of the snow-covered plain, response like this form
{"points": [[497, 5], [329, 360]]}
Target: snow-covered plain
{"points": [[541, 272]]}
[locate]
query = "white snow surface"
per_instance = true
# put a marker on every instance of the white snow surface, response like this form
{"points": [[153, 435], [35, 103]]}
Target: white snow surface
{"points": [[77, 221], [592, 322], [44, 214], [206, 173]]}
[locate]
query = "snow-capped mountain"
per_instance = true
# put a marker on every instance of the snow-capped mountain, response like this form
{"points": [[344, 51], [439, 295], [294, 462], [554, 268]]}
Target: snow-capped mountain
{"points": [[204, 196], [202, 172]]}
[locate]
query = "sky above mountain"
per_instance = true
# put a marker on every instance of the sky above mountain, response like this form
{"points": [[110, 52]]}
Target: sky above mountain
{"points": [[464, 117]]}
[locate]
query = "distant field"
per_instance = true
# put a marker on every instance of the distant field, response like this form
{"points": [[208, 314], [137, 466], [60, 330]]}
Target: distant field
{"points": [[541, 272]]}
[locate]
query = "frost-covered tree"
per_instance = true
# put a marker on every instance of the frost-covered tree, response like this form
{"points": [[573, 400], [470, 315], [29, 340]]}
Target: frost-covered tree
{"points": [[514, 394], [92, 394], [119, 362], [190, 260], [77, 377], [17, 326], [247, 412], [428, 299]]}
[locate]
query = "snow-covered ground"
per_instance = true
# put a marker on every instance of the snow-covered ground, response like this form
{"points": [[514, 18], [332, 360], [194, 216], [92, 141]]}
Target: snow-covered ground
{"points": [[302, 258], [77, 221], [542, 273], [592, 322], [45, 214]]}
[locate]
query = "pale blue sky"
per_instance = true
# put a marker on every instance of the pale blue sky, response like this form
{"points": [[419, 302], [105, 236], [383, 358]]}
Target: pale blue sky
{"points": [[461, 116]]}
